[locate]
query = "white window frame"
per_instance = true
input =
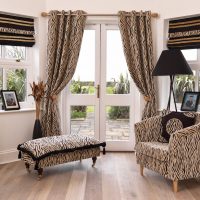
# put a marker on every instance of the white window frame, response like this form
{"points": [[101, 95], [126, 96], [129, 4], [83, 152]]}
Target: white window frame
{"points": [[195, 66], [26, 64]]}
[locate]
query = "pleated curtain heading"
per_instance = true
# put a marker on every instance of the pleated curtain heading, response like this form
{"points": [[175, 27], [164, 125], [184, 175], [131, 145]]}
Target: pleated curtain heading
{"points": [[184, 33], [16, 31]]}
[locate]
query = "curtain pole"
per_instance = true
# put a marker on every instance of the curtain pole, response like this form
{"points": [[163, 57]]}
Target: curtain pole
{"points": [[45, 14]]}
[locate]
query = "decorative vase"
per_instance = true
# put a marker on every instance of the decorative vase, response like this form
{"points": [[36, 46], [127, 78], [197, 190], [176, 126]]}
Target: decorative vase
{"points": [[38, 91], [37, 130]]}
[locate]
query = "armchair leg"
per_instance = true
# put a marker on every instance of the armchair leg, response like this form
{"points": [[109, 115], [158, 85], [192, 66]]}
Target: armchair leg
{"points": [[141, 170], [175, 186]]}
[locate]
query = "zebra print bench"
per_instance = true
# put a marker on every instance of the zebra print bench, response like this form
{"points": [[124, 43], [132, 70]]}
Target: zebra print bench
{"points": [[49, 151]]}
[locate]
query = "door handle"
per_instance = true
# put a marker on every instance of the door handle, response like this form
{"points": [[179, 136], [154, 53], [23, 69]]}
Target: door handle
{"points": [[98, 91]]}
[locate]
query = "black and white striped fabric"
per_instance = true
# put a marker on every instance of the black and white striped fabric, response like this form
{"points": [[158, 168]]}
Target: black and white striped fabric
{"points": [[16, 31], [46, 146], [184, 33]]}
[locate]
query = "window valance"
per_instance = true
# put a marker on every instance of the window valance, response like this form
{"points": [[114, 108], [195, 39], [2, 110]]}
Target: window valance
{"points": [[184, 33], [16, 31]]}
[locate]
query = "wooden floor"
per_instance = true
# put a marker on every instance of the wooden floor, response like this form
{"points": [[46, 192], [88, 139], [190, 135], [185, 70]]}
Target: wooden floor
{"points": [[115, 177]]}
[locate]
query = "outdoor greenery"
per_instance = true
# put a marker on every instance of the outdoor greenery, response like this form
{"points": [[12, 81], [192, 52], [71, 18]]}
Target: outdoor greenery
{"points": [[77, 87], [16, 80], [118, 112], [183, 83], [122, 86]]}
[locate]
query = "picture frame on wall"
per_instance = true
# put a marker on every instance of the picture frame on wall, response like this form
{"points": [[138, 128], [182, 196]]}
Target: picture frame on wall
{"points": [[190, 101], [10, 101]]}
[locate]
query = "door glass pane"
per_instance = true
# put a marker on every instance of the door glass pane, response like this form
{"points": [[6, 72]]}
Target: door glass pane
{"points": [[182, 84], [117, 123], [190, 54], [16, 80], [117, 75], [14, 52], [82, 120], [83, 79]]}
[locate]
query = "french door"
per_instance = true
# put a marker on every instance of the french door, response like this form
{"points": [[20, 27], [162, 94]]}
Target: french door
{"points": [[100, 98]]}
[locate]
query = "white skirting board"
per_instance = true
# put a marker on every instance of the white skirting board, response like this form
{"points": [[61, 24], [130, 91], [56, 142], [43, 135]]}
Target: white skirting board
{"points": [[7, 156]]}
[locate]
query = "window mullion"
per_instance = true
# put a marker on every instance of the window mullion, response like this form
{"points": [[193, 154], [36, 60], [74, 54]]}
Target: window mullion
{"points": [[4, 79]]}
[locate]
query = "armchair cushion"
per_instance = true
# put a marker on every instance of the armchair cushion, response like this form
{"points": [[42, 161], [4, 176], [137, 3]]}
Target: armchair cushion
{"points": [[175, 121], [155, 150]]}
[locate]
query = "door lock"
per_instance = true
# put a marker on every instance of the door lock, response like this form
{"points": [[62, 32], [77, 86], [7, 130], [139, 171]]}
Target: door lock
{"points": [[98, 91]]}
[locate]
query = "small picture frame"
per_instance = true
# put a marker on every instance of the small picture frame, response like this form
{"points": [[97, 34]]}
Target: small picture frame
{"points": [[10, 101], [190, 101]]}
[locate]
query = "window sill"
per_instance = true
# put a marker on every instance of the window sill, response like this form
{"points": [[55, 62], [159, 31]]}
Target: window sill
{"points": [[17, 111]]}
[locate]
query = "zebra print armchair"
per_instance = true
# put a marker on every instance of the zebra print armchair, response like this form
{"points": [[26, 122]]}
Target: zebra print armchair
{"points": [[177, 160]]}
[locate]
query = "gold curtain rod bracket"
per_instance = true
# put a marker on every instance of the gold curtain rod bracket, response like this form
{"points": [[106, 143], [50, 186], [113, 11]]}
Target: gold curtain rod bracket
{"points": [[154, 15]]}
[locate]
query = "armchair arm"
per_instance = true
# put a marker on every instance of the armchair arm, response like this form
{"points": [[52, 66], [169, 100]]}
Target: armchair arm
{"points": [[148, 130], [184, 153]]}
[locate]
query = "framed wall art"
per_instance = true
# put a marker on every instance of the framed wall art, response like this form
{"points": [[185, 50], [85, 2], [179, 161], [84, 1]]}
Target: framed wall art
{"points": [[10, 101], [190, 101]]}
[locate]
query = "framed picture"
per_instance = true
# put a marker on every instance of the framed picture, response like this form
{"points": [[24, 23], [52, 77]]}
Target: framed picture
{"points": [[10, 101], [190, 101]]}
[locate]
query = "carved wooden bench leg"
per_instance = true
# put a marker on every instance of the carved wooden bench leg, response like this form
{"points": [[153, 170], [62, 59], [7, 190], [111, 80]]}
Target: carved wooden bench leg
{"points": [[40, 172], [141, 170], [27, 167], [175, 186], [94, 159]]}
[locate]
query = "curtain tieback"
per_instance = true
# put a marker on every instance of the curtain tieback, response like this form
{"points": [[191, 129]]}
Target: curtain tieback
{"points": [[147, 98], [53, 97]]}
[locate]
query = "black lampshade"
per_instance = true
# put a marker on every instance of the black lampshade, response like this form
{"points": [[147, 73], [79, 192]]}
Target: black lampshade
{"points": [[171, 62]]}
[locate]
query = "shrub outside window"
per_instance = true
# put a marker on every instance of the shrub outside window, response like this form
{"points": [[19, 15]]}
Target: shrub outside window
{"points": [[183, 83], [15, 71]]}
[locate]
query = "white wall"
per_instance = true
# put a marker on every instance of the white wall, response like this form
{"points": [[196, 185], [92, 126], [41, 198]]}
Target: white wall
{"points": [[17, 127]]}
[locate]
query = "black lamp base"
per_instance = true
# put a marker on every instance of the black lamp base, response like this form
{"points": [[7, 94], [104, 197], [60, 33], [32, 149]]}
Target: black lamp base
{"points": [[171, 91]]}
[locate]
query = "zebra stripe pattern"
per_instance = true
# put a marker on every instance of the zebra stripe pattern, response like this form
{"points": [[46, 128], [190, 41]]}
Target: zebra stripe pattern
{"points": [[43, 147], [138, 49], [65, 34], [61, 157], [54, 150], [177, 160]]}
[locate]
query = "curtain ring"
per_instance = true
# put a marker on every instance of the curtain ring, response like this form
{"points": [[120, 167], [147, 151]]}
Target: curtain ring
{"points": [[147, 98]]}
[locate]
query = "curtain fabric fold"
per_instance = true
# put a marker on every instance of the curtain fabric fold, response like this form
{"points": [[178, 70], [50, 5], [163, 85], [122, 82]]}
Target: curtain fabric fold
{"points": [[65, 34], [138, 49]]}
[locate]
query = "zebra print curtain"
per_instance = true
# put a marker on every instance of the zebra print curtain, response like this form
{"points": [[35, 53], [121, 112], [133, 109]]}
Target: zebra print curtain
{"points": [[138, 49], [65, 34]]}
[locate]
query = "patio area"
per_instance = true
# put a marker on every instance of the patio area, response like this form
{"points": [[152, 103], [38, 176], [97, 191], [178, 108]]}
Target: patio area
{"points": [[115, 129]]}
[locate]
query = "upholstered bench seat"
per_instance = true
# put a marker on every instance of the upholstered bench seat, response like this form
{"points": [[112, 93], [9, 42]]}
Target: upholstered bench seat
{"points": [[49, 151]]}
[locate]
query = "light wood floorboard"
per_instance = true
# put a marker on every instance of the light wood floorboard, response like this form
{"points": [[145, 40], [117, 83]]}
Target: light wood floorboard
{"points": [[115, 176]]}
